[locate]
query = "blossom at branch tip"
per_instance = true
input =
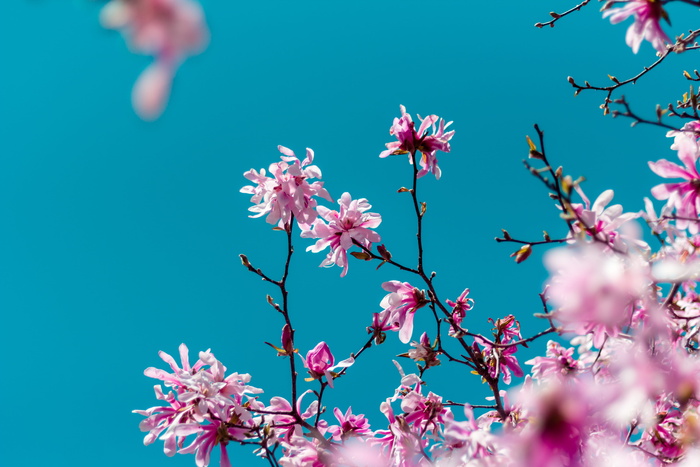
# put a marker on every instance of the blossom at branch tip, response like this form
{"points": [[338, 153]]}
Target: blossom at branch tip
{"points": [[170, 30], [647, 15], [607, 224], [410, 140], [342, 229], [683, 196], [459, 310], [288, 192], [400, 305], [321, 362]]}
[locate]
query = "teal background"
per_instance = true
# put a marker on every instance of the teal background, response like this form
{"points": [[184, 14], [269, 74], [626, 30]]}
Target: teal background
{"points": [[119, 238]]}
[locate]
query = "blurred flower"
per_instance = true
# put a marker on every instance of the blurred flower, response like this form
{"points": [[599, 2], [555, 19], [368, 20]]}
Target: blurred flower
{"points": [[683, 196], [647, 14], [595, 290], [170, 30]]}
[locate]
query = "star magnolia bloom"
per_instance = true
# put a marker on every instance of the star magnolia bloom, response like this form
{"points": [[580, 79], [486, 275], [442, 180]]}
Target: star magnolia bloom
{"points": [[288, 193], [686, 200], [400, 304], [459, 309], [203, 403], [168, 29], [343, 228], [320, 362], [410, 140], [605, 222], [647, 14]]}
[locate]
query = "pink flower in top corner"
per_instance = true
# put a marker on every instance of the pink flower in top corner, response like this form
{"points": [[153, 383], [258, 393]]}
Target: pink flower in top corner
{"points": [[685, 197], [288, 192], [410, 140], [647, 15], [343, 228], [170, 30], [400, 305]]}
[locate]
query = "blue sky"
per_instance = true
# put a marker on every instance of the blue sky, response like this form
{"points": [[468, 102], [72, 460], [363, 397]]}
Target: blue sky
{"points": [[121, 238]]}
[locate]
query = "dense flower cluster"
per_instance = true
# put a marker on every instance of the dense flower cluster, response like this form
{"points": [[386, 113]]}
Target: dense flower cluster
{"points": [[627, 390]]}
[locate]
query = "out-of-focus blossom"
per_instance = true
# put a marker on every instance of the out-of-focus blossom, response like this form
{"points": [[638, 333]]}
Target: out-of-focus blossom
{"points": [[459, 310], [595, 290], [170, 30], [561, 417], [647, 15], [320, 362], [559, 363], [604, 222], [343, 228], [683, 196], [410, 140], [288, 192], [400, 305]]}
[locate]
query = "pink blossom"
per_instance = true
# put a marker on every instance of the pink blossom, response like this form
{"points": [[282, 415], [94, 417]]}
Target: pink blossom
{"points": [[210, 435], [400, 305], [604, 222], [595, 290], [351, 425], [343, 229], [204, 403], [423, 351], [683, 196], [499, 360], [320, 362], [647, 14], [558, 363], [459, 309], [410, 140], [168, 29], [288, 192]]}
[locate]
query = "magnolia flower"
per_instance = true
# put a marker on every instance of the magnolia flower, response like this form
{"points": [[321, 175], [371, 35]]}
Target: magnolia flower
{"points": [[683, 196], [459, 311], [342, 229], [400, 305], [647, 14], [170, 30], [320, 362], [410, 140], [204, 403], [288, 193], [604, 222]]}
